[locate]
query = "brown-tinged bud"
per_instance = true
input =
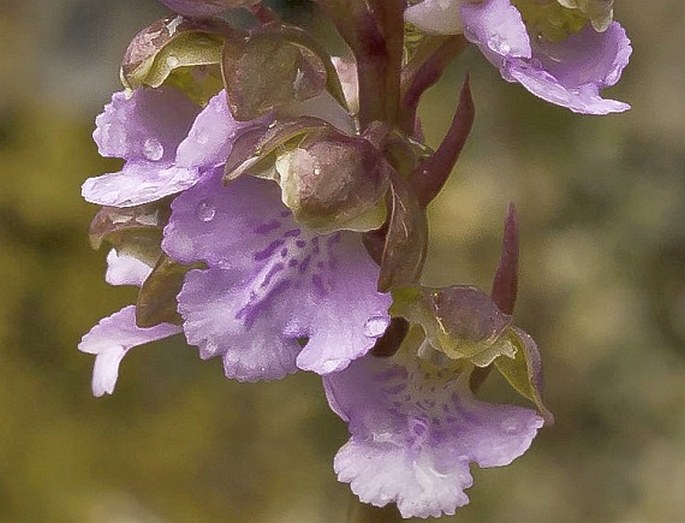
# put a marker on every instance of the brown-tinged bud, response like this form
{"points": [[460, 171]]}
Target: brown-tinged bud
{"points": [[135, 231], [264, 71], [461, 322], [335, 182], [177, 50], [157, 297]]}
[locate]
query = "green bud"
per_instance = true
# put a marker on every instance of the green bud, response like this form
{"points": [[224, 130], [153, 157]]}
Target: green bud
{"points": [[460, 322]]}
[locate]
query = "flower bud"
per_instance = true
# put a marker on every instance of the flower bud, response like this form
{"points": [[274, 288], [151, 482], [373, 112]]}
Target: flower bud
{"points": [[265, 71], [335, 182]]}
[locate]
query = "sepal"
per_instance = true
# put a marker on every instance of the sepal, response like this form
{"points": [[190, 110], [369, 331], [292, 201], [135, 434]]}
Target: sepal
{"points": [[178, 51]]}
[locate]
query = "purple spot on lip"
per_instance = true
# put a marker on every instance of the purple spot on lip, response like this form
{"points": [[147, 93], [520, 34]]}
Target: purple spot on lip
{"points": [[292, 233], [274, 270], [285, 214], [269, 251], [315, 244], [301, 244], [395, 389], [292, 263], [284, 252], [320, 264], [305, 264], [268, 227]]}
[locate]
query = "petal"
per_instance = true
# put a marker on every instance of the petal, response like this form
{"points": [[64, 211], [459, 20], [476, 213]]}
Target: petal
{"points": [[435, 16], [318, 287], [138, 183], [497, 28], [571, 73], [125, 270], [208, 305], [111, 339], [211, 137], [414, 430], [147, 124]]}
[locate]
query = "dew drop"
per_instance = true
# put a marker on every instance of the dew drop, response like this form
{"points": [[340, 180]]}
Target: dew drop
{"points": [[153, 149], [205, 211], [375, 326], [172, 60]]}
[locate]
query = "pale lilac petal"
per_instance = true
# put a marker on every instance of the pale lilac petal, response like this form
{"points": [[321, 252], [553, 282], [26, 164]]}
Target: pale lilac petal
{"points": [[211, 137], [414, 431], [436, 16], [111, 339], [497, 28], [125, 270], [572, 73], [138, 183], [208, 305], [318, 287], [147, 124]]}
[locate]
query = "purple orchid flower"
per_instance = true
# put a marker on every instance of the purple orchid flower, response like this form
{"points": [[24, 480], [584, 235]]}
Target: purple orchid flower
{"points": [[274, 297], [415, 428], [570, 72]]}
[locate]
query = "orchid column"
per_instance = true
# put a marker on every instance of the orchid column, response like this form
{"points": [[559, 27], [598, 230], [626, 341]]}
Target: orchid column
{"points": [[271, 208]]}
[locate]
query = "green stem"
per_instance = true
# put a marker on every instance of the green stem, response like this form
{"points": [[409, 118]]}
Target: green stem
{"points": [[359, 512]]}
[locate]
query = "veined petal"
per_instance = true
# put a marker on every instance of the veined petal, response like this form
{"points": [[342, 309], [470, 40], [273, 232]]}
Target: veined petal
{"points": [[414, 430], [275, 278], [138, 183], [146, 124], [571, 73], [125, 270], [111, 339]]}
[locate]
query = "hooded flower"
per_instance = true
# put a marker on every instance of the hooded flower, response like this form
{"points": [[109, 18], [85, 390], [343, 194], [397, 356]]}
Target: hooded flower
{"points": [[272, 296], [565, 54], [415, 428]]}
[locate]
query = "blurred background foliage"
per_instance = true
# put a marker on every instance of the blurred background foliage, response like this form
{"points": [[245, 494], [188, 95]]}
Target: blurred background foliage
{"points": [[602, 205]]}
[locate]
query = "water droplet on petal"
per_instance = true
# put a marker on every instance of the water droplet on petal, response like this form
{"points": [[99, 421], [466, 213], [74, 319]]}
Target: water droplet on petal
{"points": [[205, 211], [153, 149], [375, 326], [172, 60], [469, 33]]}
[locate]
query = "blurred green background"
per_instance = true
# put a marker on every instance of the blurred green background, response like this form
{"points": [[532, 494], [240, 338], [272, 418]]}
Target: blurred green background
{"points": [[602, 204]]}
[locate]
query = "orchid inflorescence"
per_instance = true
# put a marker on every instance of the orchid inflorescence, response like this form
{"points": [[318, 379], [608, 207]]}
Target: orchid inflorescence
{"points": [[272, 209]]}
